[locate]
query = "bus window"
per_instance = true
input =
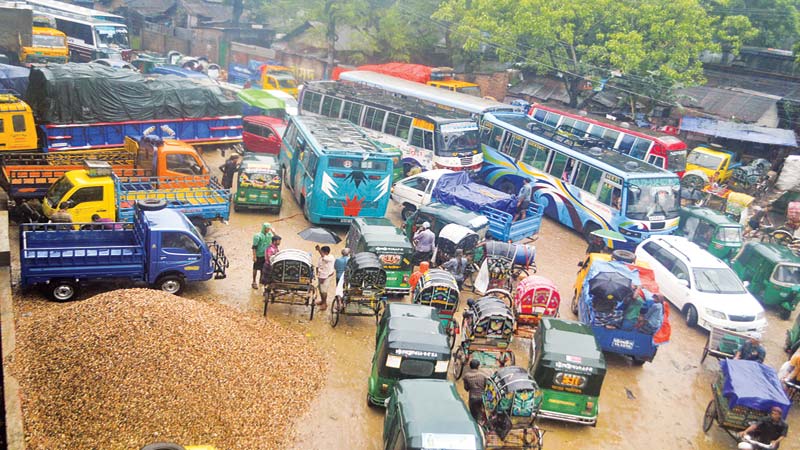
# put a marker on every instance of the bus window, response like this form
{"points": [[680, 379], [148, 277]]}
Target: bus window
{"points": [[568, 169], [552, 119], [587, 178], [422, 138], [496, 137], [557, 165], [514, 148], [486, 133], [539, 115], [397, 125], [311, 164], [640, 148], [311, 101], [610, 194], [352, 112], [535, 155], [611, 137], [657, 161], [373, 119], [331, 106], [18, 122], [626, 144], [580, 128]]}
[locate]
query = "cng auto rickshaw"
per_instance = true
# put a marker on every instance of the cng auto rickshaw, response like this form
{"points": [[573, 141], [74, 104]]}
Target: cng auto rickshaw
{"points": [[259, 184], [511, 400], [439, 215], [438, 288], [773, 274], [429, 414], [410, 344], [725, 201], [569, 367], [711, 230], [379, 235]]}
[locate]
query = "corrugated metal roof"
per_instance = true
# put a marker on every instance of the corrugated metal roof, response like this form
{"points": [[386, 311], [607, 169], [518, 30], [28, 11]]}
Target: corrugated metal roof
{"points": [[727, 103], [739, 131]]}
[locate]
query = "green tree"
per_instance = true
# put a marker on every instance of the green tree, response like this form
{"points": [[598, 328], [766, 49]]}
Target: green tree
{"points": [[775, 23], [584, 42], [403, 30]]}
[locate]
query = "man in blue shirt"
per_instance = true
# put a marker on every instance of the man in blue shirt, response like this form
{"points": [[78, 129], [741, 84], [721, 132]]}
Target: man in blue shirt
{"points": [[523, 199], [653, 318], [341, 263]]}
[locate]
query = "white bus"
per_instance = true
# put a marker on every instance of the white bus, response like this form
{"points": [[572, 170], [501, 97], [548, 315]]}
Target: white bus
{"points": [[454, 101], [91, 34]]}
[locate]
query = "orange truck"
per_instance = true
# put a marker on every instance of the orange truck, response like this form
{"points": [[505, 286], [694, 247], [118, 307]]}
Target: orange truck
{"points": [[27, 176]]}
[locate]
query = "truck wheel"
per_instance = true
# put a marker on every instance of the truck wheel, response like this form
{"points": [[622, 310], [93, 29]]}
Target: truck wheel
{"points": [[151, 204], [62, 291], [407, 211], [201, 226], [163, 446], [171, 284]]}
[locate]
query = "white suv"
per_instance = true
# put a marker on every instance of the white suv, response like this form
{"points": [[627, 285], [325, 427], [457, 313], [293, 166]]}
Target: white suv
{"points": [[704, 288]]}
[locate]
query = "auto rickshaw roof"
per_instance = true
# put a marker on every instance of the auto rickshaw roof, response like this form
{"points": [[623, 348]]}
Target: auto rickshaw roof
{"points": [[456, 214], [773, 252], [570, 342], [380, 231], [410, 310], [433, 407], [417, 334], [261, 164], [710, 215]]}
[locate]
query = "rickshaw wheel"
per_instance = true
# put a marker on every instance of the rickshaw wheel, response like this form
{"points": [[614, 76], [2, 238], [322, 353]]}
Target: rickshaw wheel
{"points": [[313, 303], [336, 305], [451, 333], [573, 305], [781, 237], [784, 314], [508, 359], [459, 359], [709, 416], [267, 292], [379, 312]]}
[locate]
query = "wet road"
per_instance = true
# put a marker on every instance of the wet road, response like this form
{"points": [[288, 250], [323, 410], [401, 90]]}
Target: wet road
{"points": [[657, 406]]}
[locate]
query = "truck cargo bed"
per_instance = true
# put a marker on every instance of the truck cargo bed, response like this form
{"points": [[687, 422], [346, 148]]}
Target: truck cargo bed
{"points": [[209, 202]]}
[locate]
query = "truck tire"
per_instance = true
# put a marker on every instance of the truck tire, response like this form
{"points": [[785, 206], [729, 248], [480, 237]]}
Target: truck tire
{"points": [[624, 256], [171, 284], [62, 290], [201, 226], [163, 446], [151, 204]]}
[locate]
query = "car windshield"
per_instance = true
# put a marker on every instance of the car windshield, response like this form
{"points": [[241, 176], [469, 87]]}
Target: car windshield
{"points": [[57, 191], [44, 40], [653, 199], [704, 160], [718, 281], [112, 36], [461, 138], [676, 161], [729, 234], [786, 273]]}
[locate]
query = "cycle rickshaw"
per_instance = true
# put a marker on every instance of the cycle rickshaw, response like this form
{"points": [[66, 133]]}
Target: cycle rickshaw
{"points": [[360, 291], [455, 237], [535, 297], [511, 401], [487, 328], [289, 280], [504, 262], [438, 288]]}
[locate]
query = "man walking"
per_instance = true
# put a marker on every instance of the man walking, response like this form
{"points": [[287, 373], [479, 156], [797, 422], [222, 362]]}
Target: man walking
{"points": [[523, 199], [325, 271], [341, 263], [423, 244], [261, 241], [229, 170], [474, 382]]}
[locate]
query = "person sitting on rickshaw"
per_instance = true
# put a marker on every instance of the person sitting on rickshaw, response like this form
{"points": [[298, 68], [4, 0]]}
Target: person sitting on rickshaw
{"points": [[596, 245], [770, 430], [633, 307], [653, 318], [457, 266], [751, 350], [414, 279]]}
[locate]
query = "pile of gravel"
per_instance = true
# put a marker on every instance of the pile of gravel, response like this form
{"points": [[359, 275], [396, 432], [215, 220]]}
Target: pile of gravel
{"points": [[130, 367]]}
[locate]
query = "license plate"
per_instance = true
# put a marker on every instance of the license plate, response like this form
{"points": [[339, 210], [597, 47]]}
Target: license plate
{"points": [[656, 218], [368, 293]]}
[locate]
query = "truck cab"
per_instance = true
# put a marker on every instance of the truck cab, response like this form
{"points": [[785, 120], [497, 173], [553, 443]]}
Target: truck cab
{"points": [[17, 129], [85, 192], [280, 78], [49, 46], [166, 157]]}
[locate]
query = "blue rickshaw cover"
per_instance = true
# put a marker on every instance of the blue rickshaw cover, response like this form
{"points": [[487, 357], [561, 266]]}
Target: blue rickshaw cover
{"points": [[753, 385]]}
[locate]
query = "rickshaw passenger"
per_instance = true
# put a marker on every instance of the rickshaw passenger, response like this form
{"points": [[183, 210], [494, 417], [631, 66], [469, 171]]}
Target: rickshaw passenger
{"points": [[794, 374], [751, 350], [268, 254], [770, 430], [653, 318], [457, 265], [414, 279], [632, 309]]}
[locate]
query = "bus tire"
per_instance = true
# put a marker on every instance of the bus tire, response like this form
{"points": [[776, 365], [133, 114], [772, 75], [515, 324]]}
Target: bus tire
{"points": [[588, 229], [151, 204], [407, 211]]}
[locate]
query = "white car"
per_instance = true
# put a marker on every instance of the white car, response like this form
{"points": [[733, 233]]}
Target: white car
{"points": [[706, 291], [416, 190]]}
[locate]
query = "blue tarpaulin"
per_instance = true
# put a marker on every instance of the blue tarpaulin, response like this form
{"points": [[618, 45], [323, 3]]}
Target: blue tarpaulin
{"points": [[457, 189], [753, 385], [739, 131], [14, 79]]}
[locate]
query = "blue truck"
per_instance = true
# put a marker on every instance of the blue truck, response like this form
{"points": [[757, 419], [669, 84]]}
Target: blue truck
{"points": [[160, 247]]}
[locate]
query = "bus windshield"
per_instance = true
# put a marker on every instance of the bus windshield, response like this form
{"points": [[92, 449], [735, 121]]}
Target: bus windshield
{"points": [[653, 198], [705, 160], [676, 160], [112, 36], [46, 40], [459, 138]]}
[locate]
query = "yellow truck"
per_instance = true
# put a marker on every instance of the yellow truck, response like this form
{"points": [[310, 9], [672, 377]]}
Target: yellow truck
{"points": [[707, 165], [22, 43], [49, 46], [280, 78]]}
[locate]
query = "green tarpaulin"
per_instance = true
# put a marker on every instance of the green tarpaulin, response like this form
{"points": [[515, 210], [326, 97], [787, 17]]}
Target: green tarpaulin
{"points": [[260, 99]]}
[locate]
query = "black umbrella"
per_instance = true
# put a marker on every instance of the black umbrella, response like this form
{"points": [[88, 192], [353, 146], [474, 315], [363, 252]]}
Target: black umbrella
{"points": [[610, 286], [321, 235]]}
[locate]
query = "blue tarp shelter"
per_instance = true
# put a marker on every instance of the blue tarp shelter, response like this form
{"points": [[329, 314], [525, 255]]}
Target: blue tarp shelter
{"points": [[753, 385], [739, 131]]}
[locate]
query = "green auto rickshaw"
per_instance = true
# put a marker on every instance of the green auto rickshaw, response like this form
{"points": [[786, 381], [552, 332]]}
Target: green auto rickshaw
{"points": [[259, 183], [773, 274], [411, 343], [793, 337], [429, 414], [569, 368], [439, 215], [379, 235], [711, 230]]}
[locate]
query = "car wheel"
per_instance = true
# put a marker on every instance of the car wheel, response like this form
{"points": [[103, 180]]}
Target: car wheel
{"points": [[171, 284], [690, 313], [407, 211]]}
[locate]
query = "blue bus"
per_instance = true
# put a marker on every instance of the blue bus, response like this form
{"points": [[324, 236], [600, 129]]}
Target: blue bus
{"points": [[334, 171], [585, 188]]}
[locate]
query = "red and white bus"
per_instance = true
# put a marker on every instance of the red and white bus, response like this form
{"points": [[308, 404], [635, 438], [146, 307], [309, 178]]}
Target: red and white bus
{"points": [[665, 151]]}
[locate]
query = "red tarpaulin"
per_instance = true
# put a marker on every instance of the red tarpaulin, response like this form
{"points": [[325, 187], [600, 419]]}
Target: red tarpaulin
{"points": [[411, 72]]}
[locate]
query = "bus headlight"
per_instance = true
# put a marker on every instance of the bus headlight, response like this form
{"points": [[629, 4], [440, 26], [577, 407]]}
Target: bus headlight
{"points": [[441, 366], [393, 361], [632, 234]]}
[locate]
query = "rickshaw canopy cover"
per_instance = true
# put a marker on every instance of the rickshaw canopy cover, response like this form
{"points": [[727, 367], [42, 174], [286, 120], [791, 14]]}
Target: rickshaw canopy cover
{"points": [[753, 385], [455, 232], [433, 407], [364, 260], [420, 336], [458, 189], [569, 343]]}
